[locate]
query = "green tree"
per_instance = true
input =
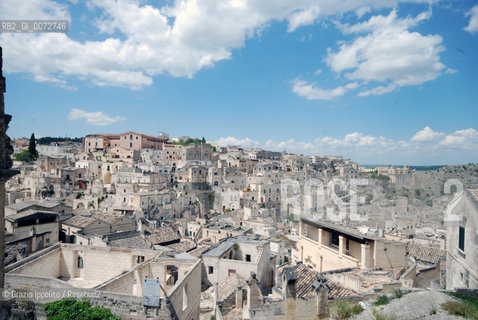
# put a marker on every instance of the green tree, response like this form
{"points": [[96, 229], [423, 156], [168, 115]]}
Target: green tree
{"points": [[23, 156], [48, 140], [72, 309], [32, 148]]}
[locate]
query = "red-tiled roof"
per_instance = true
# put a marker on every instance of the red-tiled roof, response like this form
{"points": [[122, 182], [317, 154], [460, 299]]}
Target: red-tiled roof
{"points": [[305, 278], [425, 253]]}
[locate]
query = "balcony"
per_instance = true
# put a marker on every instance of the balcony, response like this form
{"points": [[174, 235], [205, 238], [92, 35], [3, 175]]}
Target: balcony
{"points": [[327, 257]]}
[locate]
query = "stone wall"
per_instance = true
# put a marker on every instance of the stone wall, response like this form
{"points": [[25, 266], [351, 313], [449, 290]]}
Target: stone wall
{"points": [[346, 280], [42, 290], [121, 284], [99, 264], [389, 254], [191, 286], [46, 265], [259, 264], [312, 251], [290, 308], [182, 299], [462, 266], [409, 277]]}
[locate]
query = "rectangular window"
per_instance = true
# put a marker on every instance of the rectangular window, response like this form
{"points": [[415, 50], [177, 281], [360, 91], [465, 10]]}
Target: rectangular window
{"points": [[335, 239], [461, 239], [210, 270], [248, 257], [80, 262], [171, 275]]}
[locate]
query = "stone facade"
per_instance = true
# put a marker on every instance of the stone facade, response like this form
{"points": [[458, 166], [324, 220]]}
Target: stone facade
{"points": [[325, 246], [128, 140], [242, 256], [462, 240], [116, 275]]}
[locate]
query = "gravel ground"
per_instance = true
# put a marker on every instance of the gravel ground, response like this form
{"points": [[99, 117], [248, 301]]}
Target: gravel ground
{"points": [[415, 305]]}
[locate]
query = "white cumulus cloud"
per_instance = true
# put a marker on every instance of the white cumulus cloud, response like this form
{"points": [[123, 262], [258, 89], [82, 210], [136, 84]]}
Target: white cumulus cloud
{"points": [[427, 134], [379, 90], [96, 118], [232, 141], [473, 23], [386, 51], [384, 55], [302, 18], [139, 41], [466, 139], [312, 92], [424, 147]]}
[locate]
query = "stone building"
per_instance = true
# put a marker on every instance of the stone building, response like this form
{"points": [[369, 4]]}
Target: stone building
{"points": [[199, 153], [112, 277], [81, 229], [33, 228], [129, 140], [301, 294], [326, 246], [192, 177], [174, 155], [51, 165], [270, 155], [64, 211], [126, 154], [461, 219], [240, 255], [75, 229], [56, 150]]}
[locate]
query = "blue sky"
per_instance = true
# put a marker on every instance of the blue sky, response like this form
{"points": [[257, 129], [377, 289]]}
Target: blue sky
{"points": [[378, 81]]}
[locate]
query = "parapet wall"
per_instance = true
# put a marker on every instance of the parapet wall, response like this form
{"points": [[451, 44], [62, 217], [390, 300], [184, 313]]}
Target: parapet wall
{"points": [[42, 290]]}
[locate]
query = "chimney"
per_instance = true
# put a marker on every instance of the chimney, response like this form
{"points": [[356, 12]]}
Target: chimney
{"points": [[239, 297], [254, 296], [322, 290], [289, 281]]}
